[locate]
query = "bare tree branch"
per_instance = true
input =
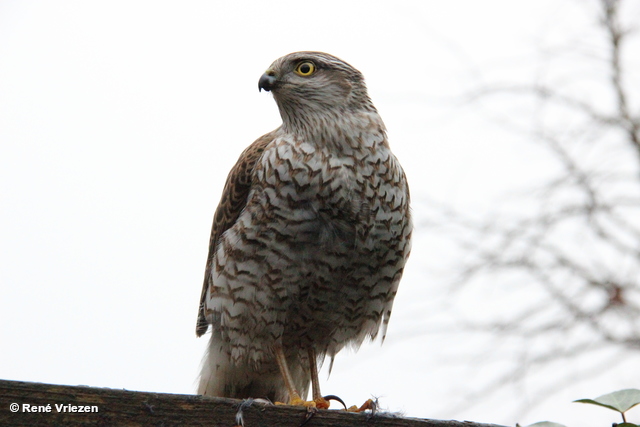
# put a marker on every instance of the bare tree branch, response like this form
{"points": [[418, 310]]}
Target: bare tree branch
{"points": [[578, 249]]}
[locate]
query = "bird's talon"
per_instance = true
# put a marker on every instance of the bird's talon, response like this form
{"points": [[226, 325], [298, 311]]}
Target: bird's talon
{"points": [[333, 397], [311, 411]]}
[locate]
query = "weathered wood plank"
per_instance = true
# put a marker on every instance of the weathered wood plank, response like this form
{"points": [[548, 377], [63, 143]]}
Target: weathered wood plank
{"points": [[129, 408]]}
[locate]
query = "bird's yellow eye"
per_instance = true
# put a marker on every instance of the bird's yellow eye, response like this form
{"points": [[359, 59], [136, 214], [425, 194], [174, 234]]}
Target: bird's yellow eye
{"points": [[305, 68]]}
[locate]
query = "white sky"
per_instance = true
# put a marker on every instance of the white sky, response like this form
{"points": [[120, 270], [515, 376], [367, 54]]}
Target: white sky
{"points": [[119, 122]]}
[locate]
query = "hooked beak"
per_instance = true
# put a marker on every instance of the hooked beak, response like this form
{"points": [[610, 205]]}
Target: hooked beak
{"points": [[267, 81]]}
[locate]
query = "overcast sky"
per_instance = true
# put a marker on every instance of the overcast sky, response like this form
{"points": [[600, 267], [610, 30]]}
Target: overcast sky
{"points": [[120, 120]]}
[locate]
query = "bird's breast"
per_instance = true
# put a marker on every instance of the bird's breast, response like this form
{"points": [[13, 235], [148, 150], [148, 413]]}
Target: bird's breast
{"points": [[331, 198]]}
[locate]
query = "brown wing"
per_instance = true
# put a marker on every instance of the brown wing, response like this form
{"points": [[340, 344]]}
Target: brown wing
{"points": [[232, 202]]}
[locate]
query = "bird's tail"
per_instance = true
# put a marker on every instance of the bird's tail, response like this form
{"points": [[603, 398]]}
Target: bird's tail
{"points": [[220, 376], [214, 368]]}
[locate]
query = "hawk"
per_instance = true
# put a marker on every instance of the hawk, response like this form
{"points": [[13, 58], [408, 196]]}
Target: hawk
{"points": [[309, 239]]}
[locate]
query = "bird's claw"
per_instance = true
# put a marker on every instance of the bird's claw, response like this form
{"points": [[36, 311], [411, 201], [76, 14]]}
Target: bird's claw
{"points": [[311, 411], [333, 397]]}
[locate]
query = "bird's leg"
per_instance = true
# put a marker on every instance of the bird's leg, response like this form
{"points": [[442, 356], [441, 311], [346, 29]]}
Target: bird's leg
{"points": [[294, 396], [320, 401]]}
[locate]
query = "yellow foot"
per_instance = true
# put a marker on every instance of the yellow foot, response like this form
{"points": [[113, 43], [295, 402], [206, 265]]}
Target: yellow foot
{"points": [[321, 403], [301, 402], [296, 401], [369, 404]]}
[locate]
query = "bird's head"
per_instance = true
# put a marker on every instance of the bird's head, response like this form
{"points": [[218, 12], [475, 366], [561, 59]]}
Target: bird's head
{"points": [[306, 84]]}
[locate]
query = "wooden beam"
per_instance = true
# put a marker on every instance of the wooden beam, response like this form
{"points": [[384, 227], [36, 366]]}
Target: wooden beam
{"points": [[59, 405]]}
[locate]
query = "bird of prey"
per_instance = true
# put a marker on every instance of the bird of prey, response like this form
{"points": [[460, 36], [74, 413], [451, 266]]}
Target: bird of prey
{"points": [[309, 239]]}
